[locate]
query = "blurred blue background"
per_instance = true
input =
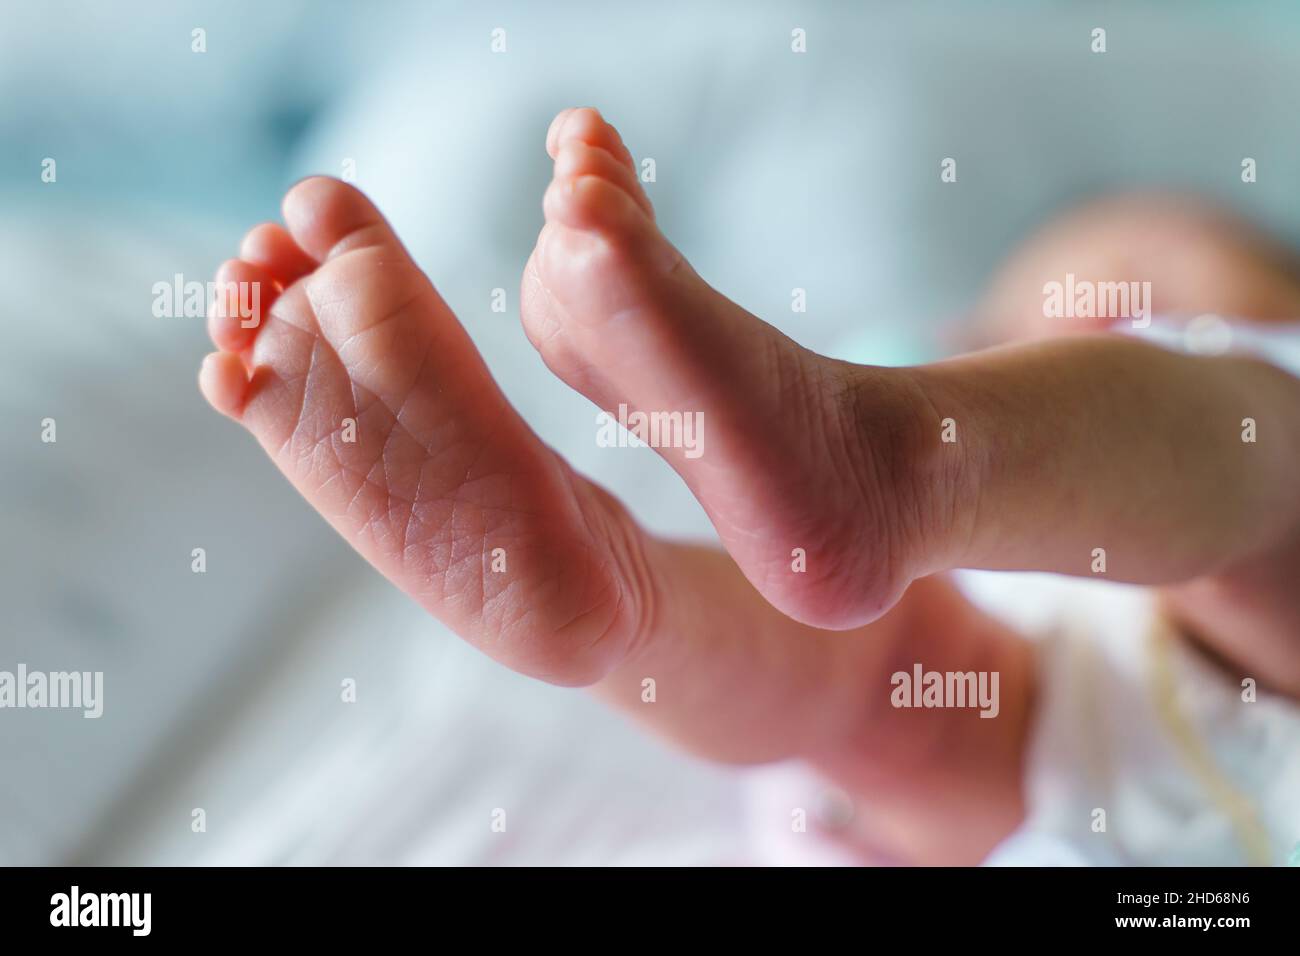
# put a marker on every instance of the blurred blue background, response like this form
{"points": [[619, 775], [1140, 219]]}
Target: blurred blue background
{"points": [[774, 171]]}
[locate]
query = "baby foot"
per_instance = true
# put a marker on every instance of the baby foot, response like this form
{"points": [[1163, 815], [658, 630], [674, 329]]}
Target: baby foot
{"points": [[365, 391], [824, 480], [369, 396]]}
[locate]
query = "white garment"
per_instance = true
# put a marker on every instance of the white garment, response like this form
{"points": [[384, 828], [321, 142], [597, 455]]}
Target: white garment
{"points": [[1275, 342], [1103, 741]]}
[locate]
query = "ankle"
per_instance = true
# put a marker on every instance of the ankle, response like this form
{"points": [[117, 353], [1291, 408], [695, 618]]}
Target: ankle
{"points": [[929, 458]]}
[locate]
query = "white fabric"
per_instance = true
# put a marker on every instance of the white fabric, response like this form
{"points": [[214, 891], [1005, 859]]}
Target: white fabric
{"points": [[1101, 742], [1277, 343]]}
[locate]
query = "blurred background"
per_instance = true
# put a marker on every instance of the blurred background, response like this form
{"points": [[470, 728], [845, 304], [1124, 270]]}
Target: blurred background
{"points": [[774, 170]]}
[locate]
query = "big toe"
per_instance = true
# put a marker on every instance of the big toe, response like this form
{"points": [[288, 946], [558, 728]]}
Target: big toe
{"points": [[327, 217]]}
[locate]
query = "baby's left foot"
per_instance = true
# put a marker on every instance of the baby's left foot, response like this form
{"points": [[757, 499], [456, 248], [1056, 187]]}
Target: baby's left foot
{"points": [[370, 397], [805, 463]]}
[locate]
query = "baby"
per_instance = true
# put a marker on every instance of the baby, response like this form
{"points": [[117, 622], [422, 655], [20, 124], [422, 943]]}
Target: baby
{"points": [[840, 492]]}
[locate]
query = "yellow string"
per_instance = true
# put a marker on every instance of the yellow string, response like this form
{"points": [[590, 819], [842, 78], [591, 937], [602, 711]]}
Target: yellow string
{"points": [[1251, 835]]}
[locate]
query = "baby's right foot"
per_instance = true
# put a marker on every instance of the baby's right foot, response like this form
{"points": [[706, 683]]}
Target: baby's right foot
{"points": [[807, 464], [1085, 456]]}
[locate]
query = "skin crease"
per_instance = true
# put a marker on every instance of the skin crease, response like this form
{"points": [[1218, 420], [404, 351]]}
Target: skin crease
{"points": [[444, 472]]}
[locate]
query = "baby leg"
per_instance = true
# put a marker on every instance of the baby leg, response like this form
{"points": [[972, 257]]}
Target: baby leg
{"points": [[833, 485]]}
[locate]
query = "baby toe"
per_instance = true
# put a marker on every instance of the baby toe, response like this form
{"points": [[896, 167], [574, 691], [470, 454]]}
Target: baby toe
{"points": [[594, 204], [327, 217], [586, 125], [271, 247], [577, 158], [224, 383], [245, 293]]}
